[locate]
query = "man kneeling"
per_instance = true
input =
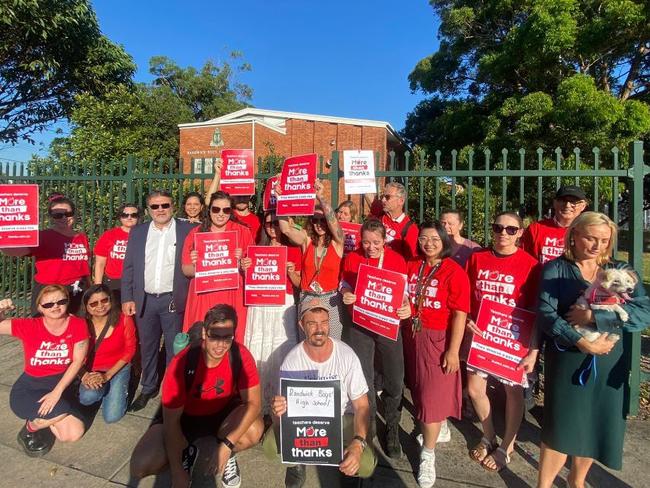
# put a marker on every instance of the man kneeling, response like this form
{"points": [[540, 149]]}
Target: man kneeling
{"points": [[320, 357], [209, 389]]}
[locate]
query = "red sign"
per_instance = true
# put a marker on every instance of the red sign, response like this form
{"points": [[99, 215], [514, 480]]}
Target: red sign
{"points": [[297, 185], [266, 279], [379, 294], [505, 340], [270, 201], [18, 215], [216, 265], [238, 172], [352, 236]]}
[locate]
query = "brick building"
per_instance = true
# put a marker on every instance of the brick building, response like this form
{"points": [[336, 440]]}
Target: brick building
{"points": [[285, 134]]}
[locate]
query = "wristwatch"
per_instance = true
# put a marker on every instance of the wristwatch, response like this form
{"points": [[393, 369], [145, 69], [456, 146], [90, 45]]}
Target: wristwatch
{"points": [[226, 441], [363, 442]]}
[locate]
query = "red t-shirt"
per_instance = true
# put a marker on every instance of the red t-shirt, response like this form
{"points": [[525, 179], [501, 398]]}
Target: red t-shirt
{"points": [[212, 388], [253, 223], [544, 240], [119, 345], [352, 262], [112, 246], [45, 353], [407, 247], [59, 259], [512, 280], [448, 291]]}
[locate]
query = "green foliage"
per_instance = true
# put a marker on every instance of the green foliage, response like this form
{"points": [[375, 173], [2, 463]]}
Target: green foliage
{"points": [[50, 52]]}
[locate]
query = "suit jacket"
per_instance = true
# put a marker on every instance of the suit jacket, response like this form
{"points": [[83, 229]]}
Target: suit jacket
{"points": [[133, 274]]}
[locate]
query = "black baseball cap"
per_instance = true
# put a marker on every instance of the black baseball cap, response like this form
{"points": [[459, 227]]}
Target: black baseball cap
{"points": [[571, 191]]}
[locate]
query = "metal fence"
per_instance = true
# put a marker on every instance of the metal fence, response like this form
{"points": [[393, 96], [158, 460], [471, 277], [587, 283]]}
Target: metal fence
{"points": [[479, 183]]}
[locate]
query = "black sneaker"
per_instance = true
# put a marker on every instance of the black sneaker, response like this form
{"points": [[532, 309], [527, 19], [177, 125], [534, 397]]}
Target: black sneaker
{"points": [[142, 400], [35, 444], [295, 476], [189, 457], [231, 477], [393, 447]]}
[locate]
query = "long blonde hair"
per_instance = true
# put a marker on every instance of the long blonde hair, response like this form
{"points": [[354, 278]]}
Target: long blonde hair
{"points": [[587, 219]]}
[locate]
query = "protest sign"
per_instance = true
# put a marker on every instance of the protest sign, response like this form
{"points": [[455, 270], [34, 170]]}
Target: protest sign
{"points": [[311, 431], [380, 293], [359, 172], [506, 336], [18, 215], [216, 265], [352, 233], [297, 186], [238, 172], [266, 278], [269, 200]]}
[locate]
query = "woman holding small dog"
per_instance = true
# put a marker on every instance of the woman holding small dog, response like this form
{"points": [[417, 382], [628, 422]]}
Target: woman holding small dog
{"points": [[584, 381]]}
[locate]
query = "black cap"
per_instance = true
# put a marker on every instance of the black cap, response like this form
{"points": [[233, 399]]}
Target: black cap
{"points": [[571, 191]]}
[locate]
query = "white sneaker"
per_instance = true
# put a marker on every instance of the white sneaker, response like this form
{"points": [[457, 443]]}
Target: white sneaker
{"points": [[445, 433], [231, 477], [427, 471]]}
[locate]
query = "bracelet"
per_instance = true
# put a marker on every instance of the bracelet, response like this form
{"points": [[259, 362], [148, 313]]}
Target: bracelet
{"points": [[226, 442], [362, 441]]}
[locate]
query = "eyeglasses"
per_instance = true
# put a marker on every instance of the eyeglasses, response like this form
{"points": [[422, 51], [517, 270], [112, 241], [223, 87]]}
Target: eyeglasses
{"points": [[214, 336], [63, 301], [101, 301], [572, 202], [156, 206], [425, 239], [125, 215], [387, 196], [511, 230], [60, 215], [224, 210]]}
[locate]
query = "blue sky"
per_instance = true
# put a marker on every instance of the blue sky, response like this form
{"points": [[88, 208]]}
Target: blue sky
{"points": [[342, 58]]}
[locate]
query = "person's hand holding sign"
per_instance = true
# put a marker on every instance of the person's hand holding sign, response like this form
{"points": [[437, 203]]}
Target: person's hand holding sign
{"points": [[471, 325], [349, 298], [404, 312], [319, 189], [279, 405], [351, 458], [245, 263]]}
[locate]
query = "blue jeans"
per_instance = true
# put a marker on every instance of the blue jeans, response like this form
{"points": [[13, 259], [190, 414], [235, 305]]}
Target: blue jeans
{"points": [[113, 395]]}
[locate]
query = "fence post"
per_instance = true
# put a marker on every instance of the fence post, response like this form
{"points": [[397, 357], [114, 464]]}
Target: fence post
{"points": [[130, 163], [632, 343], [334, 178]]}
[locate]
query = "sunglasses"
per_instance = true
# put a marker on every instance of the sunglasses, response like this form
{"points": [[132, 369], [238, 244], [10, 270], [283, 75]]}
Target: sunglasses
{"points": [[102, 301], [224, 210], [63, 301], [214, 336], [125, 215], [387, 197], [156, 206], [317, 220], [511, 230], [60, 215]]}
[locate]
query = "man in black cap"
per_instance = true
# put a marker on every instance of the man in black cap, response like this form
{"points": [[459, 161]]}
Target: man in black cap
{"points": [[544, 239]]}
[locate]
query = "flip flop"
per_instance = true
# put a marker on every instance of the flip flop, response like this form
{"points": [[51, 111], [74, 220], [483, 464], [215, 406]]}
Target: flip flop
{"points": [[482, 450], [500, 458]]}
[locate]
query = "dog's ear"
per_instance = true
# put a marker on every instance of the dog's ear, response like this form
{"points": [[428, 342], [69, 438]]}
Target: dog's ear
{"points": [[633, 275], [602, 275]]}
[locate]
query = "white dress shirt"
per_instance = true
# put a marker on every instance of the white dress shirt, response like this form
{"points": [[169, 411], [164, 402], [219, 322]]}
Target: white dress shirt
{"points": [[159, 258]]}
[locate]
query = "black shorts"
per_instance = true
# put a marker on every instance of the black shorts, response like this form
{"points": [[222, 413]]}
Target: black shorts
{"points": [[28, 390], [197, 426]]}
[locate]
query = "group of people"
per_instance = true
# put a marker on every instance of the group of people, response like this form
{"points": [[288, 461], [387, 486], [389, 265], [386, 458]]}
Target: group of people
{"points": [[224, 359]]}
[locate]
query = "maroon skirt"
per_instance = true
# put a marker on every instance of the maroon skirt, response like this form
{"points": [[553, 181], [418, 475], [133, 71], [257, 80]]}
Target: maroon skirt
{"points": [[436, 395]]}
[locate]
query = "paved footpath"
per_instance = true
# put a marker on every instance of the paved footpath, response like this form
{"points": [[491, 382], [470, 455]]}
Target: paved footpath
{"points": [[101, 458]]}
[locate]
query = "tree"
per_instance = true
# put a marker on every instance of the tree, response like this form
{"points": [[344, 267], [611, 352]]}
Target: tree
{"points": [[50, 51]]}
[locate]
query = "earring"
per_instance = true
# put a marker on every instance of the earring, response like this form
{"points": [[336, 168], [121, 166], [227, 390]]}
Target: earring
{"points": [[572, 242]]}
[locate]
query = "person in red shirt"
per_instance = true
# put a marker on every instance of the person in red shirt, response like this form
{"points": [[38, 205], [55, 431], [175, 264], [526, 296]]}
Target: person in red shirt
{"points": [[401, 231], [62, 256], [375, 253], [107, 371], [110, 250], [210, 389], [271, 331], [55, 346], [544, 239], [506, 274], [439, 294], [322, 249]]}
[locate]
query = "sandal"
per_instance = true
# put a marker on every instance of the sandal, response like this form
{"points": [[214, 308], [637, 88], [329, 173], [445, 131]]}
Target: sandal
{"points": [[499, 457], [482, 450]]}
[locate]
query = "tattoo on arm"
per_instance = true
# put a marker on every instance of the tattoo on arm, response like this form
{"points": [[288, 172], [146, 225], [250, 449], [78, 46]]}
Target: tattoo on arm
{"points": [[332, 221]]}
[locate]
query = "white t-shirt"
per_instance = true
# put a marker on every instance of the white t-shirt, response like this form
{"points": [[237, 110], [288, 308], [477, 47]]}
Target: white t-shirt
{"points": [[342, 365]]}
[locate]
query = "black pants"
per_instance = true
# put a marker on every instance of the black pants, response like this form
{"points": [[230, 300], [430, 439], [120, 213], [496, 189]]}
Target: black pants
{"points": [[156, 321], [391, 355]]}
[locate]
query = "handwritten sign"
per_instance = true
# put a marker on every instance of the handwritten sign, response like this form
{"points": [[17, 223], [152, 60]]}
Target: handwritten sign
{"points": [[297, 184], [311, 429], [266, 278], [352, 233], [19, 215], [216, 265], [380, 293], [359, 172], [506, 337], [270, 200], [238, 172]]}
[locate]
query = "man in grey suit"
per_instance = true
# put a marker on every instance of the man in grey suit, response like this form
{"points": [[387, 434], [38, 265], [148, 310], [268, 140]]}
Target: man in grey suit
{"points": [[154, 288]]}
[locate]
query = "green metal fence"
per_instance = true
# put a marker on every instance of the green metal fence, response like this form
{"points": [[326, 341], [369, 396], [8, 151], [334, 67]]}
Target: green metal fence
{"points": [[479, 183]]}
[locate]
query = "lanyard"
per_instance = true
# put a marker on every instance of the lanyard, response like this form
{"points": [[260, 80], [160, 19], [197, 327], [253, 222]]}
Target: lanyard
{"points": [[419, 292], [314, 285], [380, 264]]}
